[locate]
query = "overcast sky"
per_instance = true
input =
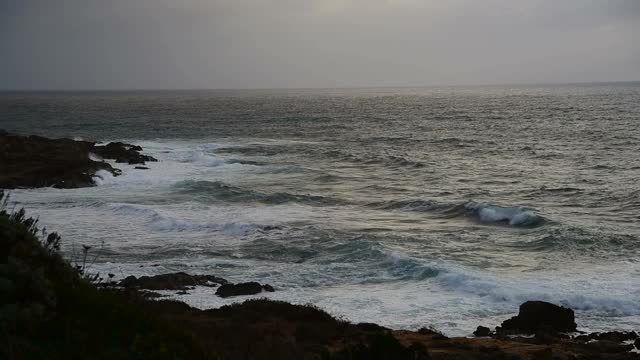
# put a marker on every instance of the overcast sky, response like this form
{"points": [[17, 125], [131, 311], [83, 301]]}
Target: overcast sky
{"points": [[144, 44]]}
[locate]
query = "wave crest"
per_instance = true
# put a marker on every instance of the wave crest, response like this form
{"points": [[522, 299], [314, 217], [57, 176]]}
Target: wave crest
{"points": [[482, 211], [216, 190]]}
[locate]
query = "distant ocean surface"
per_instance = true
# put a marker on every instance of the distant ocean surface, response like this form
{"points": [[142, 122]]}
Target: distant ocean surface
{"points": [[443, 207]]}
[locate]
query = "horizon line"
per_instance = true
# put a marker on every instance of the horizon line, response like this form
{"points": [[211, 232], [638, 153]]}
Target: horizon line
{"points": [[321, 88]]}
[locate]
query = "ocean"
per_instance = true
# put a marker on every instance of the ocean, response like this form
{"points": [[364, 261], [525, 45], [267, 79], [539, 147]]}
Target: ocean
{"points": [[408, 207]]}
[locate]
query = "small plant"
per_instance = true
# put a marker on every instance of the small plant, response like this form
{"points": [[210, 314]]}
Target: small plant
{"points": [[86, 262]]}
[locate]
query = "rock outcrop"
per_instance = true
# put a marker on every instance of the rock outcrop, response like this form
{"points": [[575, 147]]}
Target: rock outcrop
{"points": [[173, 281], [35, 161], [482, 331], [122, 153], [248, 288], [539, 317]]}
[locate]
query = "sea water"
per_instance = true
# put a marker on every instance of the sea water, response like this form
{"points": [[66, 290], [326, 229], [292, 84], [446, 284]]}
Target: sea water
{"points": [[443, 207]]}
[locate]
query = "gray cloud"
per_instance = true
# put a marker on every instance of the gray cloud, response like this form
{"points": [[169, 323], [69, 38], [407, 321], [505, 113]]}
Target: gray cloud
{"points": [[87, 44]]}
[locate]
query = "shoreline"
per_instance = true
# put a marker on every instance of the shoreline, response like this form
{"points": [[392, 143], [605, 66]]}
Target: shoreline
{"points": [[271, 317]]}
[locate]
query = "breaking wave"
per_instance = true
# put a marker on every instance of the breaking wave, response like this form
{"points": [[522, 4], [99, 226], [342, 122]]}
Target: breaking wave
{"points": [[482, 211], [157, 221], [216, 190]]}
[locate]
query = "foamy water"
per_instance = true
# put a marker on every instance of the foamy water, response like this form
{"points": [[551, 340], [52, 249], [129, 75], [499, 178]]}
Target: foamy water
{"points": [[405, 208]]}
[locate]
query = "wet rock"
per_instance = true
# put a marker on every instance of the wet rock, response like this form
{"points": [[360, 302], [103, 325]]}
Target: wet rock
{"points": [[482, 331], [537, 316], [173, 281], [122, 153], [141, 168], [248, 288]]}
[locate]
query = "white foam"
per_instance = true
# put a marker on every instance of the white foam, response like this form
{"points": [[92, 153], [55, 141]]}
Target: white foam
{"points": [[512, 215], [102, 177], [454, 299], [201, 158], [163, 222], [611, 295]]}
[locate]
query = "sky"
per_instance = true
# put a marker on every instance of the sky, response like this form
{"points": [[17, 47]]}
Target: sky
{"points": [[212, 44]]}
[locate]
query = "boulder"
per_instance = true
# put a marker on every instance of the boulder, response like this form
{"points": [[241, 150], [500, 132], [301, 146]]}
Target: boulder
{"points": [[173, 281], [539, 317], [248, 288], [482, 331]]}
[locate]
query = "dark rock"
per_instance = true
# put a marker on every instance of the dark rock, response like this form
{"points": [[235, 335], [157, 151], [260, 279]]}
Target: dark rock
{"points": [[535, 316], [582, 338], [546, 335], [248, 288], [435, 335], [439, 336], [36, 161], [608, 347], [182, 292], [427, 331], [482, 331], [174, 281], [371, 327], [122, 153], [151, 295], [129, 281], [141, 168], [637, 344], [616, 336]]}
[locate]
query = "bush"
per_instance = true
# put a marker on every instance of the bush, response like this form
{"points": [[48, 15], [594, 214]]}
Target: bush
{"points": [[48, 310]]}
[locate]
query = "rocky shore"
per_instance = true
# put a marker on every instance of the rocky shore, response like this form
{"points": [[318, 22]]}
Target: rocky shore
{"points": [[541, 330], [35, 161], [56, 310]]}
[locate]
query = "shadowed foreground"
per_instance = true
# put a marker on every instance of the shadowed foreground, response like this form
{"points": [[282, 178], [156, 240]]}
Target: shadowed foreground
{"points": [[51, 309]]}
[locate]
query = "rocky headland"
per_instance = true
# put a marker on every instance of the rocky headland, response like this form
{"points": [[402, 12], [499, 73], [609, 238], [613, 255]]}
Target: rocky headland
{"points": [[35, 161]]}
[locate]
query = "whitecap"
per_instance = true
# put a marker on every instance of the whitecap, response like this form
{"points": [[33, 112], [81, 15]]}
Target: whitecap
{"points": [[514, 216]]}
